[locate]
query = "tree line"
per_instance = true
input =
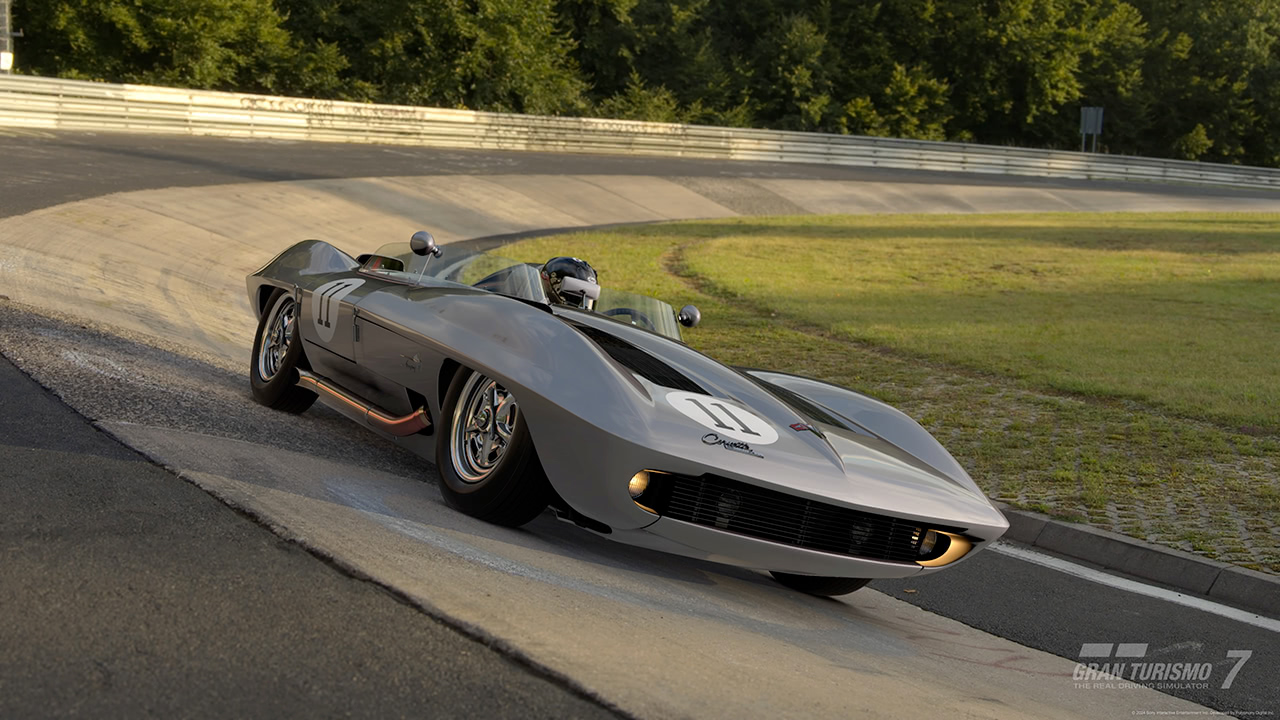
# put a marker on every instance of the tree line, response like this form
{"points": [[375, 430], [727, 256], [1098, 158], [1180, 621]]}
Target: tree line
{"points": [[1188, 79]]}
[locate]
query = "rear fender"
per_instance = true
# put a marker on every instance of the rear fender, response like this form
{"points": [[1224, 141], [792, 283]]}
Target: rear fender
{"points": [[301, 265]]}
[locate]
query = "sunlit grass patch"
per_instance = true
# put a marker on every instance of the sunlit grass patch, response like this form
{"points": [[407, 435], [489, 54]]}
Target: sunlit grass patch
{"points": [[1176, 310]]}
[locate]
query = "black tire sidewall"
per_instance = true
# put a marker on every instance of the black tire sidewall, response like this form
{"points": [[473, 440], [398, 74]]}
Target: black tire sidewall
{"points": [[270, 392], [518, 464], [820, 586]]}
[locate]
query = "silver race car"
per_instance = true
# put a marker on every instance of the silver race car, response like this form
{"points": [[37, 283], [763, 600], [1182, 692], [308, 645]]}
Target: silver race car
{"points": [[533, 386]]}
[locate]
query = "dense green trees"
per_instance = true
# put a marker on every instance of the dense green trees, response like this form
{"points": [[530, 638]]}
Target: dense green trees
{"points": [[506, 55], [1195, 79], [198, 43]]}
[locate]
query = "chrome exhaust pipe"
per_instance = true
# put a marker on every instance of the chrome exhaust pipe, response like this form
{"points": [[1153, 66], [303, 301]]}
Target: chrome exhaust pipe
{"points": [[411, 424]]}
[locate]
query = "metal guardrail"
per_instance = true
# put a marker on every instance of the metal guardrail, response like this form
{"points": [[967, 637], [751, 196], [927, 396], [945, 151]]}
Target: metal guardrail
{"points": [[36, 102]]}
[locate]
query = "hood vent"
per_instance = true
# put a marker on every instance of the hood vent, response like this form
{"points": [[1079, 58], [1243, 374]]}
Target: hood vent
{"points": [[801, 404], [638, 361]]}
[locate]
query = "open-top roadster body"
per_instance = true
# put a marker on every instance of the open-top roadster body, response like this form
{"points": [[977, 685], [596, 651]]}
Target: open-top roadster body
{"points": [[603, 413]]}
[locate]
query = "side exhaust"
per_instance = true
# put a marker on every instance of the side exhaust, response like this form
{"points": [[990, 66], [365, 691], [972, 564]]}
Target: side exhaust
{"points": [[411, 424]]}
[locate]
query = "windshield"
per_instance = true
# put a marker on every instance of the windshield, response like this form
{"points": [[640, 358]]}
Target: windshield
{"points": [[509, 277], [639, 310]]}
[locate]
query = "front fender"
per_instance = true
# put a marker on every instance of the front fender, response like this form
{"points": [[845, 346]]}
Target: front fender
{"points": [[876, 417], [583, 412]]}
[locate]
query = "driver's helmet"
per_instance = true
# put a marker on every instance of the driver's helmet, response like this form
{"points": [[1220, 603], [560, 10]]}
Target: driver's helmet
{"points": [[570, 281]]}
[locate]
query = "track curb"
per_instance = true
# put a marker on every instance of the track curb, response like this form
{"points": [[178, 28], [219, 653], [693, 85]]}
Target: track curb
{"points": [[1230, 584]]}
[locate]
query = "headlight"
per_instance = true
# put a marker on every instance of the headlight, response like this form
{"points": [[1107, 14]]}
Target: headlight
{"points": [[928, 543], [938, 548], [639, 483], [650, 490]]}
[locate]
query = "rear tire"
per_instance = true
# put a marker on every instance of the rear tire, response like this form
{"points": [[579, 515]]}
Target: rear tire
{"points": [[821, 586], [277, 352], [488, 467]]}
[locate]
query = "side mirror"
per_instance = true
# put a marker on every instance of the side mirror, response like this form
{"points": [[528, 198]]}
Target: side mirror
{"points": [[689, 316], [422, 243]]}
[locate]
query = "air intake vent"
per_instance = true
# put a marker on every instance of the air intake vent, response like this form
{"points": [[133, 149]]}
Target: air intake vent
{"points": [[757, 512], [802, 405], [638, 361]]}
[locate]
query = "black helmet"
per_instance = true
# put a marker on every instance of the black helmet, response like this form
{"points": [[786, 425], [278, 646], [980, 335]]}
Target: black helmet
{"points": [[570, 281]]}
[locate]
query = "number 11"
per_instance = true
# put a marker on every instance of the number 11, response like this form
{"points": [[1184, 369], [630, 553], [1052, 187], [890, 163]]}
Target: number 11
{"points": [[743, 427]]}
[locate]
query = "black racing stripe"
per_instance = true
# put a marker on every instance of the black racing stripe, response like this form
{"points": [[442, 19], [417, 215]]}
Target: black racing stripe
{"points": [[807, 408], [638, 361]]}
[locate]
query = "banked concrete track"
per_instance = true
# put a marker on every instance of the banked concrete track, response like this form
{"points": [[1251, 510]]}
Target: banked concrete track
{"points": [[131, 307]]}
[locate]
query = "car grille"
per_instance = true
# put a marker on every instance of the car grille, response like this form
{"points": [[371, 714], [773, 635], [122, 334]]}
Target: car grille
{"points": [[778, 517]]}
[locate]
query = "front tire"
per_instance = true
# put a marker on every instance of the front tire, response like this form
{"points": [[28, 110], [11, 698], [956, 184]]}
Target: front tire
{"points": [[488, 467], [820, 586], [277, 352]]}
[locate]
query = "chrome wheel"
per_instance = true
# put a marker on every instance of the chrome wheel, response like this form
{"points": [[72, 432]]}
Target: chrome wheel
{"points": [[483, 421], [278, 335]]}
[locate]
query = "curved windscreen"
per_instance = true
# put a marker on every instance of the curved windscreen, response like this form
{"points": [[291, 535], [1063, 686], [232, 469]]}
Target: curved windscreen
{"points": [[639, 310], [505, 276]]}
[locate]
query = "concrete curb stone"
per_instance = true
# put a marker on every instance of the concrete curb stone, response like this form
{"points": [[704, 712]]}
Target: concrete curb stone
{"points": [[1255, 591], [1248, 588]]}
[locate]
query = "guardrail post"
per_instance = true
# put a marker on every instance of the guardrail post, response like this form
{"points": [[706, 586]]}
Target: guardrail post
{"points": [[6, 39]]}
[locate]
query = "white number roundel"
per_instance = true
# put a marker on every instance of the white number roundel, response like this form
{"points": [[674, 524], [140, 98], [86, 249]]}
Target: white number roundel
{"points": [[325, 302], [724, 418]]}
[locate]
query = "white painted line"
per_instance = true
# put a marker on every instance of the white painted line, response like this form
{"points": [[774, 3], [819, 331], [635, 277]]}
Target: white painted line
{"points": [[1133, 586]]}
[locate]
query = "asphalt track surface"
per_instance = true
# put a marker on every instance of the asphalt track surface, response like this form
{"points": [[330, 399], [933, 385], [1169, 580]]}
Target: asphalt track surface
{"points": [[126, 594], [43, 169], [272, 616]]}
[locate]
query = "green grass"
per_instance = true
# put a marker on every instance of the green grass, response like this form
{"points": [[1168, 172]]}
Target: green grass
{"points": [[1118, 370], [1175, 310]]}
